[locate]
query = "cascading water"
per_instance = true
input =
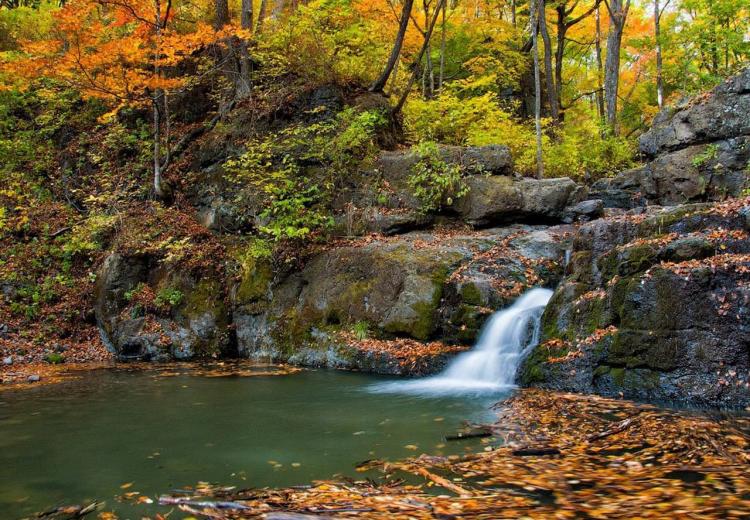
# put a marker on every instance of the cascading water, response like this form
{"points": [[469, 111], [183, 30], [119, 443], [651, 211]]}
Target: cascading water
{"points": [[491, 365]]}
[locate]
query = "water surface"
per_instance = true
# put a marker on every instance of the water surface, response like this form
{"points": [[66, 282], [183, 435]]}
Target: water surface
{"points": [[84, 439]]}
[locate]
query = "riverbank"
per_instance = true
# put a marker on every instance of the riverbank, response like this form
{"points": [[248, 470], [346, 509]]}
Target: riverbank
{"points": [[562, 456]]}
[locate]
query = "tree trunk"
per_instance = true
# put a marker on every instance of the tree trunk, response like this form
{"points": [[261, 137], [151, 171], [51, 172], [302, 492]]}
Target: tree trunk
{"points": [[442, 49], [261, 15], [246, 17], [379, 83], [548, 73], [222, 14], [246, 21], [513, 12], [599, 67], [413, 76], [618, 14], [657, 36], [562, 29], [534, 22]]}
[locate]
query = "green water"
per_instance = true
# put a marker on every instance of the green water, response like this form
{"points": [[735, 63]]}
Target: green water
{"points": [[82, 440]]}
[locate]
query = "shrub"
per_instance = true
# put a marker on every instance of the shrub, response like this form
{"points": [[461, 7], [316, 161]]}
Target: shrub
{"points": [[435, 183], [168, 297]]}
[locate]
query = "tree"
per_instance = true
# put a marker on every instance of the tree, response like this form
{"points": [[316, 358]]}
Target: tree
{"points": [[379, 84], [533, 23], [564, 24], [618, 13], [221, 14], [118, 50], [548, 76]]}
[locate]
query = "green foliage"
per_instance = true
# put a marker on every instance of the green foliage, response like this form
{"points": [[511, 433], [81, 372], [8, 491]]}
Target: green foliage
{"points": [[324, 41], [54, 358], [706, 155], [89, 236], [133, 293], [435, 183], [361, 330], [169, 297], [578, 147], [299, 168]]}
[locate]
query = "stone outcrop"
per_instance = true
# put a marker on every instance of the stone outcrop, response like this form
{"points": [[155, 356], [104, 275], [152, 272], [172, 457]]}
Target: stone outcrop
{"points": [[419, 285], [654, 306], [697, 151], [194, 325]]}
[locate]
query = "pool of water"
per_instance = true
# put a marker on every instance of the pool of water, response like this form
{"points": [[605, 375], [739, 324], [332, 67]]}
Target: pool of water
{"points": [[115, 431]]}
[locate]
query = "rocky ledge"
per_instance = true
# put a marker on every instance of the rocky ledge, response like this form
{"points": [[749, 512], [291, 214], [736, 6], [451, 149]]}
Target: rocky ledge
{"points": [[655, 305]]}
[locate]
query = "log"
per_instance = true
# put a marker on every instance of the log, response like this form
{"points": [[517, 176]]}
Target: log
{"points": [[177, 501], [530, 452], [444, 482], [475, 434]]}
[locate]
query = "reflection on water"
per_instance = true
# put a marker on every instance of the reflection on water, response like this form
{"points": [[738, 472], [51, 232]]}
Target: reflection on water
{"points": [[85, 439]]}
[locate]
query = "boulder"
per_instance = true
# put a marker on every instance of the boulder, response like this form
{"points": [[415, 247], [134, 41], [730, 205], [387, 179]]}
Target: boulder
{"points": [[697, 151], [654, 306], [195, 325], [419, 286], [722, 114], [493, 200]]}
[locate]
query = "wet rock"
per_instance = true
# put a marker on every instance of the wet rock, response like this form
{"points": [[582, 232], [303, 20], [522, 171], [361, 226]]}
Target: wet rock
{"points": [[195, 326], [417, 285], [654, 306]]}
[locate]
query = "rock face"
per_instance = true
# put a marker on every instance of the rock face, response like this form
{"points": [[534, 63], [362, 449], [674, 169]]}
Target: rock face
{"points": [[419, 286], [653, 306], [135, 325], [698, 151]]}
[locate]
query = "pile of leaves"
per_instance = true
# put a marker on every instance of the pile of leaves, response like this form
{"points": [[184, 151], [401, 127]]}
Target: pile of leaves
{"points": [[412, 356], [553, 456]]}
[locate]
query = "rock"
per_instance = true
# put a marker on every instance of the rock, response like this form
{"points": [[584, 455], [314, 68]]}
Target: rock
{"points": [[4, 330], [722, 114], [584, 211], [654, 307], [494, 200], [8, 360], [196, 326], [34, 378], [417, 286], [697, 152]]}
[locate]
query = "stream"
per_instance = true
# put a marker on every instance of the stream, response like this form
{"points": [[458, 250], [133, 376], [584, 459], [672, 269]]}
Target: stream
{"points": [[114, 431]]}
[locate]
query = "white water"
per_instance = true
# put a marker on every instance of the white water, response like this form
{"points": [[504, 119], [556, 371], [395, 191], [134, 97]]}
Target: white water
{"points": [[491, 365]]}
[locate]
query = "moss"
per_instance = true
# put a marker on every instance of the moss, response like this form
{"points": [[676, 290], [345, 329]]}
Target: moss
{"points": [[470, 294], [255, 280], [601, 370], [618, 376]]}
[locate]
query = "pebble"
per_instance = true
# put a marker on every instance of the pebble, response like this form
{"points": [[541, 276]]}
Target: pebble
{"points": [[8, 360], [33, 378]]}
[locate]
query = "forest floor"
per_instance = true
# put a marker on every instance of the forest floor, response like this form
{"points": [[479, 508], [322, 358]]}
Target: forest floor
{"points": [[561, 456]]}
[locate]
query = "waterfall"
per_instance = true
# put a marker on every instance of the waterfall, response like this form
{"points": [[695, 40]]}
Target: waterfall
{"points": [[491, 365]]}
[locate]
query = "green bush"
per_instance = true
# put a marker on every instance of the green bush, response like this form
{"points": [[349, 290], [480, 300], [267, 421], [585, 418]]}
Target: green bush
{"points": [[434, 182], [168, 297]]}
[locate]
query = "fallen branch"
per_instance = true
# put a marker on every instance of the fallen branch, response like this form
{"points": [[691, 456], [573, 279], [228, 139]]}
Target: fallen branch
{"points": [[444, 482], [167, 500], [530, 452], [620, 427], [474, 434]]}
